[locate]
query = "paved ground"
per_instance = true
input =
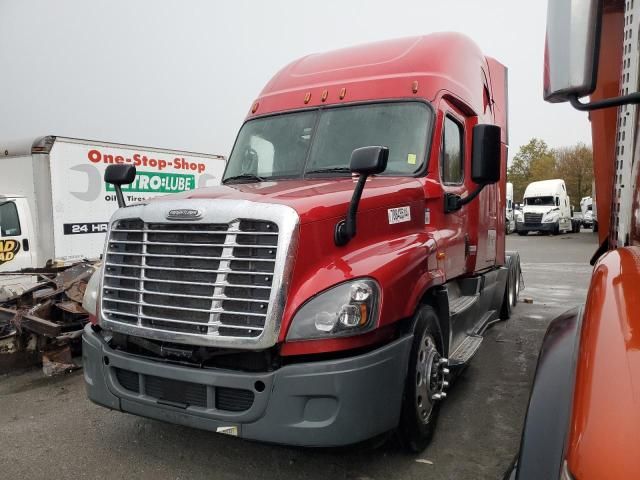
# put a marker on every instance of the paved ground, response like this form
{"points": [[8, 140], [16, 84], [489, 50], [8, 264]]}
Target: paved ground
{"points": [[48, 429]]}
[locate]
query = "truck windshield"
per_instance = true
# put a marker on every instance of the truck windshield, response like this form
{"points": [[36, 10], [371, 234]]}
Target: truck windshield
{"points": [[541, 201], [319, 142]]}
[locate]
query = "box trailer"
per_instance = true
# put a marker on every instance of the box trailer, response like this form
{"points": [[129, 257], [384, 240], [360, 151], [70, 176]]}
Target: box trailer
{"points": [[55, 207]]}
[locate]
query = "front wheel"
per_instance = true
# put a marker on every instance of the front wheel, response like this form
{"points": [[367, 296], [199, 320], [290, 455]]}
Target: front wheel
{"points": [[522, 234], [424, 384]]}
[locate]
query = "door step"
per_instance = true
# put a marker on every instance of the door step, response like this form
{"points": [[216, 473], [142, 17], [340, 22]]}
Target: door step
{"points": [[461, 303], [465, 350]]}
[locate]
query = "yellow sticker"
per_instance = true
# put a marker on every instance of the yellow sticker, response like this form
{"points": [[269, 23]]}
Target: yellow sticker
{"points": [[411, 159]]}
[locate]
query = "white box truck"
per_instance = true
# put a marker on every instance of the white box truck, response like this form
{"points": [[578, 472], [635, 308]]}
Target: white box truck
{"points": [[55, 206], [546, 208]]}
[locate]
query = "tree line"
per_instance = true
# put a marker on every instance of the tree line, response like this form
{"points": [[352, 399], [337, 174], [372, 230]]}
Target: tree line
{"points": [[537, 161]]}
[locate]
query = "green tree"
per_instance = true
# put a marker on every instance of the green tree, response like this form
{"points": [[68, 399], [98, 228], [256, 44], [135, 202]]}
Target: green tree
{"points": [[534, 161], [575, 165]]}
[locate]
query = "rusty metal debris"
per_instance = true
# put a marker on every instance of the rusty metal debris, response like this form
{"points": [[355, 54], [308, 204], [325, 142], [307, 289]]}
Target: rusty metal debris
{"points": [[43, 321]]}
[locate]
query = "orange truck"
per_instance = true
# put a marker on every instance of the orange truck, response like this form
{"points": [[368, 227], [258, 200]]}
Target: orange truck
{"points": [[583, 418]]}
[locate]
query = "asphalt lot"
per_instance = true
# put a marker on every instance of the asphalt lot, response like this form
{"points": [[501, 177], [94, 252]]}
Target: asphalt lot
{"points": [[49, 429]]}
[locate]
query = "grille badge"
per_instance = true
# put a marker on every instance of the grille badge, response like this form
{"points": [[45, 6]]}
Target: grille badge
{"points": [[184, 214]]}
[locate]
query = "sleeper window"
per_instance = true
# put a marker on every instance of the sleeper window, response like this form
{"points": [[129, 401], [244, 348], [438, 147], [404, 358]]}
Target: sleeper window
{"points": [[452, 157]]}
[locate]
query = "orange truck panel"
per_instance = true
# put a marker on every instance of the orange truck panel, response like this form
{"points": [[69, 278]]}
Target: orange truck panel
{"points": [[605, 426]]}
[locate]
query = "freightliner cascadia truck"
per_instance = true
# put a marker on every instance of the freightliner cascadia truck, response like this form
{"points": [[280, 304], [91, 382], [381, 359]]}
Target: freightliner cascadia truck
{"points": [[583, 418], [346, 268]]}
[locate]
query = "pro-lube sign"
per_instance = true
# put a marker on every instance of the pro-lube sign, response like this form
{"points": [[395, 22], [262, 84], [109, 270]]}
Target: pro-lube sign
{"points": [[83, 202]]}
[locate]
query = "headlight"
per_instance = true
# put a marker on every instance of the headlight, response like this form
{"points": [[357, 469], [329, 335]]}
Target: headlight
{"points": [[90, 299], [347, 309], [551, 217]]}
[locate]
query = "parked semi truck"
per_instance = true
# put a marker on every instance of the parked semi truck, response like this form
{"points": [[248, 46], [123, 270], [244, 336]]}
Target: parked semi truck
{"points": [[583, 418], [346, 269], [546, 208], [510, 218], [586, 206], [55, 207]]}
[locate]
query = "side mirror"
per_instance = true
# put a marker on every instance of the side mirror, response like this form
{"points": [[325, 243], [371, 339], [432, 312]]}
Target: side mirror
{"points": [[369, 160], [118, 175], [364, 161], [485, 158], [485, 165], [571, 53]]}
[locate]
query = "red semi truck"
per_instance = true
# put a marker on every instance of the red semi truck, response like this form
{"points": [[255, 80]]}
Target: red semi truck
{"points": [[347, 267]]}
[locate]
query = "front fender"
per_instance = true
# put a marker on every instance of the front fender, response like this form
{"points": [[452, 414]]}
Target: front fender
{"points": [[548, 416], [399, 263]]}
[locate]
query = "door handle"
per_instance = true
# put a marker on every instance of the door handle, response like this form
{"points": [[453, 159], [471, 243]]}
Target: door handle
{"points": [[25, 244]]}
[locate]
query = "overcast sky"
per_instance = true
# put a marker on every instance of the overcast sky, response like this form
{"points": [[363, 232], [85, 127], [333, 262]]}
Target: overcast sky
{"points": [[183, 74]]}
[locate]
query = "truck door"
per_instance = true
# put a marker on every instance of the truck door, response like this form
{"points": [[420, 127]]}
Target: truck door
{"points": [[15, 244], [453, 168]]}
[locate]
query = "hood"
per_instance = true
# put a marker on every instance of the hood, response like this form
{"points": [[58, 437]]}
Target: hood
{"points": [[539, 208], [606, 405], [315, 199]]}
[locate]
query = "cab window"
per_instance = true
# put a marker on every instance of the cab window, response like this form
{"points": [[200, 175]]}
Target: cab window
{"points": [[452, 153], [9, 221]]}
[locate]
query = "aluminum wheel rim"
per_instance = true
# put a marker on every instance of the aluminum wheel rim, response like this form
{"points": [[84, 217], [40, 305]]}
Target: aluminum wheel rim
{"points": [[427, 378]]}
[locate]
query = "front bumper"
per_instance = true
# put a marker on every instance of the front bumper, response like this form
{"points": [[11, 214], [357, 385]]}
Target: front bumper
{"points": [[324, 403], [536, 227]]}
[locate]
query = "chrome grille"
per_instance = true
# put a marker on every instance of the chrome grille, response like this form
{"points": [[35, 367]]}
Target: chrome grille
{"points": [[532, 217], [210, 280]]}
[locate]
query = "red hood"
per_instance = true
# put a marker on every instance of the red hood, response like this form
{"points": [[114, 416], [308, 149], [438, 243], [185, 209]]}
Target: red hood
{"points": [[315, 199]]}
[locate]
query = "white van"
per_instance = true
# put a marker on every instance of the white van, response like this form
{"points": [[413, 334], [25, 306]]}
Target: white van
{"points": [[546, 208], [55, 206], [510, 220]]}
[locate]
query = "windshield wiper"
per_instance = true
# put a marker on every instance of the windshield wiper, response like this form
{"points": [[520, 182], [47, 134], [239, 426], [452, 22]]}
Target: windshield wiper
{"points": [[330, 170], [248, 177]]}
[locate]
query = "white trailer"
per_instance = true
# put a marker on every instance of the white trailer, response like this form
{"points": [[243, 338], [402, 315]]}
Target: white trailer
{"points": [[55, 206], [546, 208]]}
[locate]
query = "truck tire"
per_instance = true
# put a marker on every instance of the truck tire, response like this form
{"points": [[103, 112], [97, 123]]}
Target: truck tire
{"points": [[522, 234], [508, 299], [419, 409], [556, 229], [516, 281]]}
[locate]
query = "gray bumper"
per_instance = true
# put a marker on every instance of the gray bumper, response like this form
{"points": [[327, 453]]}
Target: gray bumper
{"points": [[535, 227], [325, 403]]}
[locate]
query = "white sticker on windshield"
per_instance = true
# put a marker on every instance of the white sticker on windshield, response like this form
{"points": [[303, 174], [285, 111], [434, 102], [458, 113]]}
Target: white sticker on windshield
{"points": [[399, 215]]}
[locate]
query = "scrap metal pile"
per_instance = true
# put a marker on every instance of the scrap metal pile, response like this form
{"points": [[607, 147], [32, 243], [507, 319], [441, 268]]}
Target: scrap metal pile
{"points": [[43, 321]]}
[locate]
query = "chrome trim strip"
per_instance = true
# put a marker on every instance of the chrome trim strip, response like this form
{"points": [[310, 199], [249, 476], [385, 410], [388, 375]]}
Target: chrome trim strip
{"points": [[199, 232], [185, 322], [190, 257], [202, 284], [185, 295]]}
